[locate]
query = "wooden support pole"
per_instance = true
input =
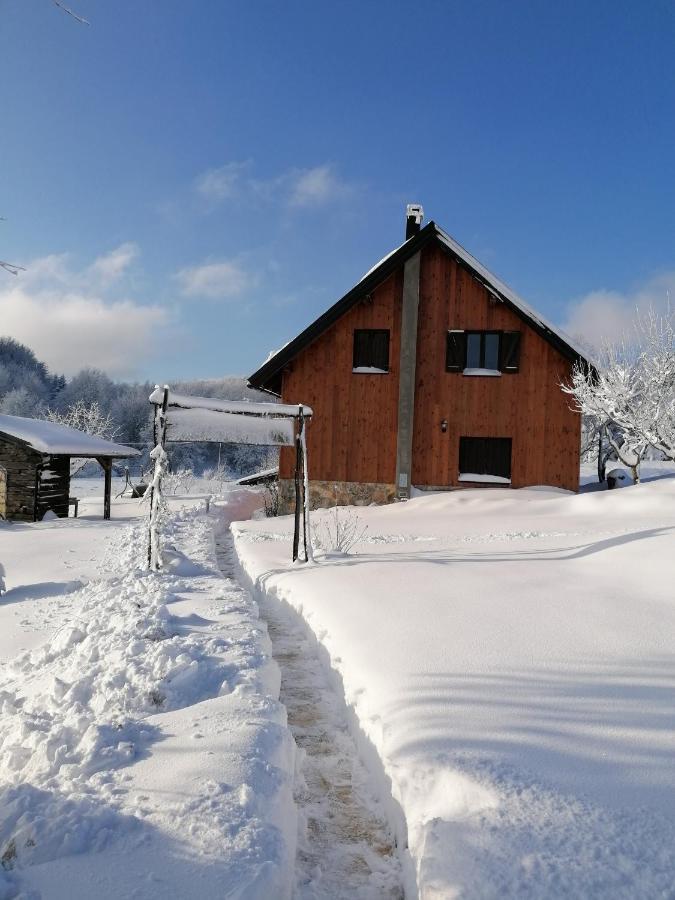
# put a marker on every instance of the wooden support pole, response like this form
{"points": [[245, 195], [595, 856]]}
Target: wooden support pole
{"points": [[298, 465], [107, 472], [306, 537]]}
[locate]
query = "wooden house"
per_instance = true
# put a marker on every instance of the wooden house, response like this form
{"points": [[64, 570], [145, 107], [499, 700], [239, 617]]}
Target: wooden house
{"points": [[430, 372], [35, 466]]}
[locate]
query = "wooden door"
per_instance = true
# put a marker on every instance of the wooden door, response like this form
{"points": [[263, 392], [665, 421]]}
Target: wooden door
{"points": [[485, 456], [3, 492]]}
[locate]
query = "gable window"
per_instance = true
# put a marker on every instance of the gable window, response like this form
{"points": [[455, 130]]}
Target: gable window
{"points": [[485, 460], [371, 351], [482, 352]]}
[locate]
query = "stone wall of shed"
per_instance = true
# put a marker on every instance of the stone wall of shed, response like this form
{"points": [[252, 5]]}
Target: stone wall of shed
{"points": [[21, 465]]}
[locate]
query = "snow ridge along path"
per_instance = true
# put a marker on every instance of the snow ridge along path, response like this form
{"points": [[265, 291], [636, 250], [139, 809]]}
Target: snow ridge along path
{"points": [[143, 750], [517, 688], [345, 847]]}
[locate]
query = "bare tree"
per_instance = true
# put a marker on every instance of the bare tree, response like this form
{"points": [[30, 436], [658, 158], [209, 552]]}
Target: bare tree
{"points": [[10, 267]]}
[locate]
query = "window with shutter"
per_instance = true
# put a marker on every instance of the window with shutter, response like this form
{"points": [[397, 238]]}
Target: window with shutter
{"points": [[482, 352], [371, 351]]}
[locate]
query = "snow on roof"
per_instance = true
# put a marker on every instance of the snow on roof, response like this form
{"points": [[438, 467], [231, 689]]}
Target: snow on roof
{"points": [[378, 264], [49, 437], [226, 427], [246, 407]]}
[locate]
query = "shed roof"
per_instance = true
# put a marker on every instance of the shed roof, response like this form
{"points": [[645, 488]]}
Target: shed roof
{"points": [[268, 376], [60, 440]]}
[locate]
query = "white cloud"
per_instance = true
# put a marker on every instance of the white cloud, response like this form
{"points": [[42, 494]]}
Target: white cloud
{"points": [[605, 316], [215, 281], [295, 188], [101, 274], [109, 268], [70, 325], [222, 183], [316, 187]]}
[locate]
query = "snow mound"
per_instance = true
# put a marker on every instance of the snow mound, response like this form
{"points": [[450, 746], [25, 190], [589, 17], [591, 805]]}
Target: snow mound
{"points": [[118, 697]]}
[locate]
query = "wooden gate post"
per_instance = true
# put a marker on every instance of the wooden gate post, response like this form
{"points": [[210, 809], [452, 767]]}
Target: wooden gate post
{"points": [[307, 538], [159, 432], [298, 464]]}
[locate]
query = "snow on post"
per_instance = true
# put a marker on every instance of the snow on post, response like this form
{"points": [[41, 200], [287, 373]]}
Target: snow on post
{"points": [[154, 492]]}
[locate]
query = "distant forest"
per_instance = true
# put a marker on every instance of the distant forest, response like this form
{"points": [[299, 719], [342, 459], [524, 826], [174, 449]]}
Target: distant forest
{"points": [[28, 388]]}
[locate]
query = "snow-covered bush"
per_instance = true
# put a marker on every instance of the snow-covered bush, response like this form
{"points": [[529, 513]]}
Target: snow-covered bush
{"points": [[618, 478], [337, 530], [178, 482]]}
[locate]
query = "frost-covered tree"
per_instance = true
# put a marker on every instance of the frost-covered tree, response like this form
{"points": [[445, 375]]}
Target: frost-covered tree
{"points": [[631, 394], [20, 401], [87, 417]]}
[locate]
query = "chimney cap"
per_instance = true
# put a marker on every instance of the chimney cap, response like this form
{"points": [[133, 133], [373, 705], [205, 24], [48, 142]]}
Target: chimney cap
{"points": [[413, 219], [416, 211]]}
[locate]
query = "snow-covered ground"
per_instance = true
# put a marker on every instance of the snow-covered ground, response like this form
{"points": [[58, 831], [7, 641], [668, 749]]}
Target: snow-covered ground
{"points": [[143, 750], [501, 661], [507, 660]]}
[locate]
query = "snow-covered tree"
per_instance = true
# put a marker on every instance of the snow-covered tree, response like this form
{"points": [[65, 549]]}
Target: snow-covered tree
{"points": [[87, 417], [630, 396]]}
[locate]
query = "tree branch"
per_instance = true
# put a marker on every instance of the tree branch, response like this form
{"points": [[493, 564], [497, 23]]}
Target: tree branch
{"points": [[70, 12], [11, 268]]}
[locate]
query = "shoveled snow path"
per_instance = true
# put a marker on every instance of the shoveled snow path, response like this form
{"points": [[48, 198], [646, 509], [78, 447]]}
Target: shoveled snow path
{"points": [[345, 846]]}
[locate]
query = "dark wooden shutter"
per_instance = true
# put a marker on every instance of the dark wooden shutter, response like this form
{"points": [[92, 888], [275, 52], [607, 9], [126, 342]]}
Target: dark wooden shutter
{"points": [[510, 351], [361, 348], [380, 350], [455, 352]]}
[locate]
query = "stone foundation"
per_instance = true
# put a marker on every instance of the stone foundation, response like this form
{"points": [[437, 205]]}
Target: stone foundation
{"points": [[323, 494]]}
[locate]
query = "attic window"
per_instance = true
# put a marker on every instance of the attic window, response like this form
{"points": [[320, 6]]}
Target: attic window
{"points": [[482, 352], [371, 351]]}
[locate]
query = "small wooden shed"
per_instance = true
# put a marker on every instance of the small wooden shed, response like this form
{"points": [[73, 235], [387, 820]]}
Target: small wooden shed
{"points": [[35, 466]]}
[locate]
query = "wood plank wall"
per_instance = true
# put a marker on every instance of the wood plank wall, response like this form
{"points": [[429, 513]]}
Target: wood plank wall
{"points": [[20, 463], [352, 435], [528, 407], [54, 486]]}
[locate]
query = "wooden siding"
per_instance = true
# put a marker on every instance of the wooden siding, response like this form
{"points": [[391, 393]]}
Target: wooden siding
{"points": [[20, 463], [352, 435], [527, 406]]}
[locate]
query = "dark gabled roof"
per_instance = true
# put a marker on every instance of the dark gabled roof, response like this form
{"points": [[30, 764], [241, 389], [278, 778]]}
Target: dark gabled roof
{"points": [[268, 376]]}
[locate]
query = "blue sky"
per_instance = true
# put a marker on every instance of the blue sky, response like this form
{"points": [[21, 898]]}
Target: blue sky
{"points": [[190, 184]]}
